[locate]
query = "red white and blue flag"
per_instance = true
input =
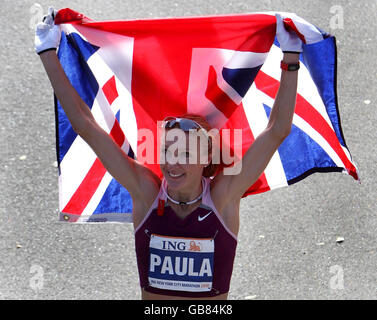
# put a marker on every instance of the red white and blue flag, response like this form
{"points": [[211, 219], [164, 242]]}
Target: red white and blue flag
{"points": [[132, 74]]}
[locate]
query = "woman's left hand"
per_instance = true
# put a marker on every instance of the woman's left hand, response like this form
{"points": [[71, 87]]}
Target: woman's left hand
{"points": [[288, 40]]}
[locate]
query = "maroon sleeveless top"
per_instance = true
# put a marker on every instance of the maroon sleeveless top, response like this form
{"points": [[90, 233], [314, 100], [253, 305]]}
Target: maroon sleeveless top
{"points": [[190, 257]]}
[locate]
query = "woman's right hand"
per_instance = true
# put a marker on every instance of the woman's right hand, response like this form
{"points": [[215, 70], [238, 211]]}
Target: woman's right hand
{"points": [[47, 33]]}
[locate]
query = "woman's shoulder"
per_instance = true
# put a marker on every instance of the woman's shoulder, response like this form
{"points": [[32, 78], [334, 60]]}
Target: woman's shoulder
{"points": [[226, 205], [150, 186], [220, 193]]}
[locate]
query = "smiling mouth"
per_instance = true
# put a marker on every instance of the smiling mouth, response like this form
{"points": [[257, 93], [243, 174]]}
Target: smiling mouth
{"points": [[175, 175]]}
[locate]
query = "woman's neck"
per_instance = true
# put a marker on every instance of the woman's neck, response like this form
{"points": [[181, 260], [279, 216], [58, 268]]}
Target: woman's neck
{"points": [[193, 192]]}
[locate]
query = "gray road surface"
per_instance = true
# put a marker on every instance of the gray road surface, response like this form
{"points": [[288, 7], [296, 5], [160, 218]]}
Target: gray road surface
{"points": [[287, 242]]}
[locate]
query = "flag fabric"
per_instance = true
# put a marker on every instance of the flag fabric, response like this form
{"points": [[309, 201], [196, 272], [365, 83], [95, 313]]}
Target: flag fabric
{"points": [[134, 73]]}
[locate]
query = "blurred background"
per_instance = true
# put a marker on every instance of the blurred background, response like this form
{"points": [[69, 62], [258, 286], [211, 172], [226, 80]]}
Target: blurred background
{"points": [[313, 240]]}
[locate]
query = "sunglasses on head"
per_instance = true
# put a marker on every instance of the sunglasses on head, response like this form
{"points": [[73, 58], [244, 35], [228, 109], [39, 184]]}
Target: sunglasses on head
{"points": [[184, 124]]}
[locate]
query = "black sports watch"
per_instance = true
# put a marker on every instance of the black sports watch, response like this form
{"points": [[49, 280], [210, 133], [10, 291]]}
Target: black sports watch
{"points": [[290, 66]]}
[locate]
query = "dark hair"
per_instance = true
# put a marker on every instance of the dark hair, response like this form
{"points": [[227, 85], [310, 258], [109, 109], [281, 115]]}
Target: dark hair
{"points": [[211, 169]]}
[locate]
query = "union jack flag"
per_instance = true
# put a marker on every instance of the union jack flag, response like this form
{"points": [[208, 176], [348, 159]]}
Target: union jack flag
{"points": [[132, 74]]}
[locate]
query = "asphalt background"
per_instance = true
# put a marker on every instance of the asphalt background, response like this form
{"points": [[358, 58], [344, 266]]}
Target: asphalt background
{"points": [[287, 242]]}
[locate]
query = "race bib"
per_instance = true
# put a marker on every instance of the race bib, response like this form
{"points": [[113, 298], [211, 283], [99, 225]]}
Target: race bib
{"points": [[183, 264]]}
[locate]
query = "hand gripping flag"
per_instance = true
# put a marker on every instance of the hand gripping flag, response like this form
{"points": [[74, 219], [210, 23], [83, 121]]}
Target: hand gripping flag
{"points": [[132, 74]]}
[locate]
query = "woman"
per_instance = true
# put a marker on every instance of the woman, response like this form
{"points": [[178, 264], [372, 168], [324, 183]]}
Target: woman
{"points": [[186, 225]]}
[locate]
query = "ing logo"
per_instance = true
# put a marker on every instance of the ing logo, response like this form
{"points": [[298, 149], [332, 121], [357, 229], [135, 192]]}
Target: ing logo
{"points": [[194, 246]]}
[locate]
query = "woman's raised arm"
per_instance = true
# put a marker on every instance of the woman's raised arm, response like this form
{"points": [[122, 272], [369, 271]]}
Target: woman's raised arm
{"points": [[259, 154], [136, 178]]}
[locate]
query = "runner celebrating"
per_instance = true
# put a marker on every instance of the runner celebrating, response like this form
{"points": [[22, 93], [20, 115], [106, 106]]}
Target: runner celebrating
{"points": [[186, 225]]}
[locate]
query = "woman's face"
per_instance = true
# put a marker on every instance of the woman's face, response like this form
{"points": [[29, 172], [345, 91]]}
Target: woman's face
{"points": [[183, 157]]}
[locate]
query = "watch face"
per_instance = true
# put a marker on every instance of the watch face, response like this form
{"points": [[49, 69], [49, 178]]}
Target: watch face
{"points": [[293, 67], [290, 66]]}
